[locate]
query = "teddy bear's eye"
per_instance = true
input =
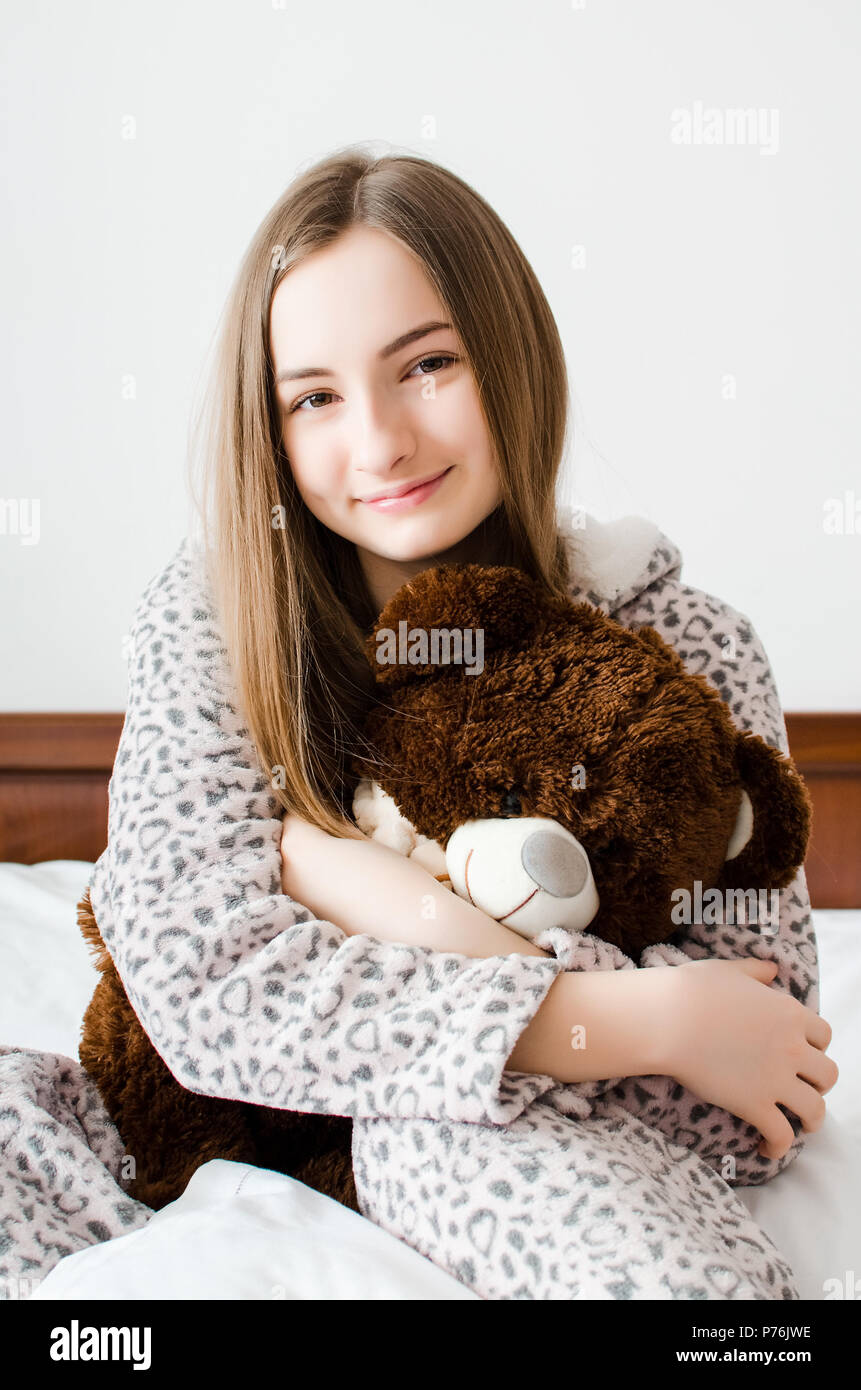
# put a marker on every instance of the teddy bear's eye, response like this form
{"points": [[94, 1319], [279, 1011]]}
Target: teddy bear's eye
{"points": [[510, 805]]}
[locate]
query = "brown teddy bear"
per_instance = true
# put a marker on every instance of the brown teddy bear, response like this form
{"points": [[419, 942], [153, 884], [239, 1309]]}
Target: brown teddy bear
{"points": [[562, 772]]}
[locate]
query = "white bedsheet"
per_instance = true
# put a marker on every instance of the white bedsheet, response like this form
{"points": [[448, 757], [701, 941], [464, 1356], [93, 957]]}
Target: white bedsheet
{"points": [[248, 1233]]}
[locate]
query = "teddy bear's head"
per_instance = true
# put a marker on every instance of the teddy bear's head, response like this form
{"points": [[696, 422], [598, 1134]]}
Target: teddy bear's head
{"points": [[560, 769]]}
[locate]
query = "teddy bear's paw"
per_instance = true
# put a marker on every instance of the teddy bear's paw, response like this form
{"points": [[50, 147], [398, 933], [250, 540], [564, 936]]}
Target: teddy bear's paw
{"points": [[377, 815], [431, 855]]}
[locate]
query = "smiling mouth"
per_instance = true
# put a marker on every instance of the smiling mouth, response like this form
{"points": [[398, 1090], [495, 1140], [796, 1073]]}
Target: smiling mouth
{"points": [[402, 491], [393, 497]]}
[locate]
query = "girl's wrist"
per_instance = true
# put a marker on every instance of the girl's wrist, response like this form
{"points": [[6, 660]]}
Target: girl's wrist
{"points": [[661, 1040]]}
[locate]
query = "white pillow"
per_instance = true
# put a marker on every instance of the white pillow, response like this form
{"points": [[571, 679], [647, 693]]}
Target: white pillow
{"points": [[240, 1232]]}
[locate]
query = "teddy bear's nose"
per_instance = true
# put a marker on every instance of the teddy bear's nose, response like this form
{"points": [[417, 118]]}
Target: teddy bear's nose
{"points": [[557, 865]]}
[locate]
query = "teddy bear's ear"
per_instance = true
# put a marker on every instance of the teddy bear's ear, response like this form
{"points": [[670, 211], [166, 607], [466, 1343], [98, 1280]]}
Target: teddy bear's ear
{"points": [[774, 827], [498, 601]]}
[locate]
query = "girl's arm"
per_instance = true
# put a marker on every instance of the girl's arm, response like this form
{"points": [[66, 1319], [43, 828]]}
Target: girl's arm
{"points": [[703, 1026], [365, 887]]}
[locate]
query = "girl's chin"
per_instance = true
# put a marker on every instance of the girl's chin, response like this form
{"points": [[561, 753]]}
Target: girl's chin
{"points": [[402, 533], [405, 552]]}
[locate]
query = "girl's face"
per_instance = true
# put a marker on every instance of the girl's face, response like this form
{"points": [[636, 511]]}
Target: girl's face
{"points": [[375, 397]]}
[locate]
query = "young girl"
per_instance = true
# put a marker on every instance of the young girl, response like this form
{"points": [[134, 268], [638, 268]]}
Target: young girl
{"points": [[391, 393]]}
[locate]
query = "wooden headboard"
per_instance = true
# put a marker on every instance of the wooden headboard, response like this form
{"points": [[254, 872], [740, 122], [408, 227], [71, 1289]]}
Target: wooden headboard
{"points": [[55, 768]]}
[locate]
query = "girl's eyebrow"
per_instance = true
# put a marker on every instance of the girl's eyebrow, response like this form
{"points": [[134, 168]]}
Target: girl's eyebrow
{"points": [[403, 341]]}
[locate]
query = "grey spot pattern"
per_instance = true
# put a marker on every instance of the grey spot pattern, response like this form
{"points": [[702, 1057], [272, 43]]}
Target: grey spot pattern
{"points": [[519, 1186], [61, 1176], [549, 1208]]}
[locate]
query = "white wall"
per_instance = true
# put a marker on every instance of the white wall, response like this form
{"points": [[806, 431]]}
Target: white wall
{"points": [[707, 269]]}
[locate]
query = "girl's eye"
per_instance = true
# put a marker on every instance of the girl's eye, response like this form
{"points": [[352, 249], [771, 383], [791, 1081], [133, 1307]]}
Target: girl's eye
{"points": [[310, 397], [446, 358], [443, 357]]}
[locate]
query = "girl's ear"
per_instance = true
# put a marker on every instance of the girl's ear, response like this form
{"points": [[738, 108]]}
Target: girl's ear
{"points": [[773, 828]]}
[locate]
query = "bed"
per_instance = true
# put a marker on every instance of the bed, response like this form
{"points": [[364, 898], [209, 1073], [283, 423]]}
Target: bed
{"points": [[239, 1232]]}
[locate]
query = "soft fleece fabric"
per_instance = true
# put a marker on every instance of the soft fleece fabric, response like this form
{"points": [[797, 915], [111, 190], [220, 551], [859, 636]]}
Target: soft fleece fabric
{"points": [[245, 995]]}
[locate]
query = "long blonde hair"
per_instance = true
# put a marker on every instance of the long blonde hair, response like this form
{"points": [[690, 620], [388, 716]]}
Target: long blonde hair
{"points": [[293, 604]]}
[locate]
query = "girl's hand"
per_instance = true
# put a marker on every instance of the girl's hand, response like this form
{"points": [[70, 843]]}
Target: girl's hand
{"points": [[745, 1047]]}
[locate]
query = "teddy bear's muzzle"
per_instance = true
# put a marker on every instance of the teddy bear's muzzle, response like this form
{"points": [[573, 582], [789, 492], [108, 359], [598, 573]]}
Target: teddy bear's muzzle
{"points": [[529, 873]]}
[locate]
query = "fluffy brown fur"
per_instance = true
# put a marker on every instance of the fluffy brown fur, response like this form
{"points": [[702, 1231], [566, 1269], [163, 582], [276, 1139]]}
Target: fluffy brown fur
{"points": [[170, 1131], [562, 685]]}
